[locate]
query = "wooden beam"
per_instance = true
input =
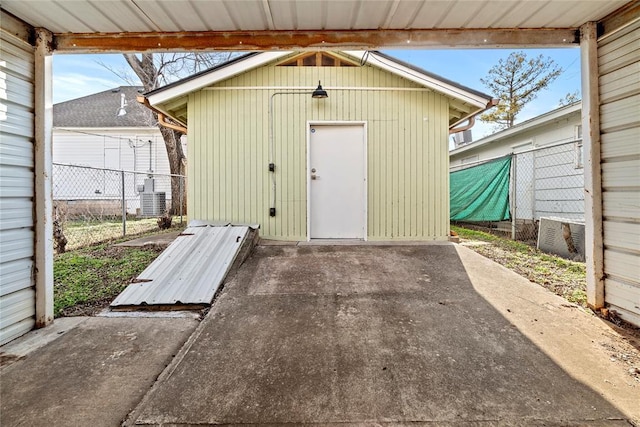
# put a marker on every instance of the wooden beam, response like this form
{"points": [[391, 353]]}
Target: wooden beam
{"points": [[296, 40], [43, 118], [619, 19], [594, 235], [16, 27]]}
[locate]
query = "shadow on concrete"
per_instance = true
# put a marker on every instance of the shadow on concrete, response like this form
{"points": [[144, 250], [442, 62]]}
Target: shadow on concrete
{"points": [[364, 334]]}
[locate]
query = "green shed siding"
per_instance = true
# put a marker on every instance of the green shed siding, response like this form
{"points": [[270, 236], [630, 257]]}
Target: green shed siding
{"points": [[407, 150]]}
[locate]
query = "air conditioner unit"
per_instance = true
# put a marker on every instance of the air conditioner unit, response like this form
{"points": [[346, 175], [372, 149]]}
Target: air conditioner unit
{"points": [[462, 138], [153, 204], [563, 237]]}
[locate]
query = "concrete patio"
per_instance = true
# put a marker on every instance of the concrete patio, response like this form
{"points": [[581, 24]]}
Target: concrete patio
{"points": [[328, 335]]}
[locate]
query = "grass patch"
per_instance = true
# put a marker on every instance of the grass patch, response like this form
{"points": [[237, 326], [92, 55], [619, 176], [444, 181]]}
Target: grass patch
{"points": [[563, 277], [86, 233], [88, 279]]}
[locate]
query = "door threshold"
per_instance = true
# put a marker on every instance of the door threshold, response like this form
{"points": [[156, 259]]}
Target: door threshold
{"points": [[332, 242]]}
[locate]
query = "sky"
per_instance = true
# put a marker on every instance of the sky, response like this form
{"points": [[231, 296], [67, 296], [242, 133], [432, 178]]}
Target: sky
{"points": [[75, 76]]}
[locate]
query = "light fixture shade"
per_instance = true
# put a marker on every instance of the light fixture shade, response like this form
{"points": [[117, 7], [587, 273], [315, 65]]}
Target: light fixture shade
{"points": [[319, 92]]}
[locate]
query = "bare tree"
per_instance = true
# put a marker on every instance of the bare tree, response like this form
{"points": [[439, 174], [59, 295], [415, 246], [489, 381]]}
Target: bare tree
{"points": [[154, 70], [516, 81], [569, 98]]}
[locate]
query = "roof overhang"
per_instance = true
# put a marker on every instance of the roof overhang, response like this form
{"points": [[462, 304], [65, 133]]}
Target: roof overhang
{"points": [[424, 79], [226, 71], [541, 120], [464, 102]]}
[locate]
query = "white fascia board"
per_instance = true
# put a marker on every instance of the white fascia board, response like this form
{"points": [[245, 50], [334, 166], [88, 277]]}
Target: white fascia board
{"points": [[521, 127], [140, 129], [423, 79], [215, 76]]}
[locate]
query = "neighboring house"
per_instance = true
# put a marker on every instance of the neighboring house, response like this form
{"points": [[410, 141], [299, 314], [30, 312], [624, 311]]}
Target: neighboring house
{"points": [[368, 162], [548, 172], [106, 130]]}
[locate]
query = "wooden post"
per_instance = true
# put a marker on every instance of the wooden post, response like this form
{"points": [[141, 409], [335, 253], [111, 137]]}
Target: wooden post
{"points": [[43, 167], [594, 245]]}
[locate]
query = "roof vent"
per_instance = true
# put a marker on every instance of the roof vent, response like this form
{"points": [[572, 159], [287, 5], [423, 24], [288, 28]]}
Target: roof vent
{"points": [[115, 90]]}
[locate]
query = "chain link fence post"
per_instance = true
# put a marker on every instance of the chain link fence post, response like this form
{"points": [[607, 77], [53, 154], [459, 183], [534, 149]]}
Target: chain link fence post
{"points": [[181, 196], [94, 205], [124, 206], [514, 196]]}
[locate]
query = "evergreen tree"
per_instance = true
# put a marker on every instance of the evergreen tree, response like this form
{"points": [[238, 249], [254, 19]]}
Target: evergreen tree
{"points": [[516, 81]]}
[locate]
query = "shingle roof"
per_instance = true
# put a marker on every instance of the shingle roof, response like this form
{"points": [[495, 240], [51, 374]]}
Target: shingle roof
{"points": [[101, 110]]}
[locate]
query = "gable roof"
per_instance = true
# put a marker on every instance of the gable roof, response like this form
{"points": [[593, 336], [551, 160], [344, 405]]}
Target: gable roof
{"points": [[541, 120], [100, 110], [465, 101]]}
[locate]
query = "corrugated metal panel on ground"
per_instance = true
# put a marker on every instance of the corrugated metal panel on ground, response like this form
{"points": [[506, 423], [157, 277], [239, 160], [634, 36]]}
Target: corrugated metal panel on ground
{"points": [[189, 271], [17, 296], [619, 61]]}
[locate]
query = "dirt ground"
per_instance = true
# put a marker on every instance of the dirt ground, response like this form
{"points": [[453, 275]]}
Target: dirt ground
{"points": [[568, 280]]}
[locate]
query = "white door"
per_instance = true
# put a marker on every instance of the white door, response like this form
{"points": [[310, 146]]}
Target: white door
{"points": [[337, 182]]}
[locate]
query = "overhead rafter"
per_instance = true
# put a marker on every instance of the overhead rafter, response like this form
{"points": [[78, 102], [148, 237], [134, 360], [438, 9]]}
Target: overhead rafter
{"points": [[17, 27], [619, 19], [314, 39]]}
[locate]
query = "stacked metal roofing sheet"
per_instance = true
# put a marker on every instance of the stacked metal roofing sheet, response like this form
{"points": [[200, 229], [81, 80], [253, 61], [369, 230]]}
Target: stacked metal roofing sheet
{"points": [[189, 271], [116, 16]]}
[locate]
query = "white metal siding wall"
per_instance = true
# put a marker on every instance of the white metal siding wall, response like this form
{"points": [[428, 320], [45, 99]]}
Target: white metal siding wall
{"points": [[17, 294], [619, 80]]}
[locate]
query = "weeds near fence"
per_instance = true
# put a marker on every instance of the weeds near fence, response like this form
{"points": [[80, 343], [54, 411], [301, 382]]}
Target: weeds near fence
{"points": [[87, 233], [560, 276]]}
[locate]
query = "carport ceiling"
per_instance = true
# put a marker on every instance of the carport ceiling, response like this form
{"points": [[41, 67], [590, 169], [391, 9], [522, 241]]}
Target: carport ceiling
{"points": [[306, 23]]}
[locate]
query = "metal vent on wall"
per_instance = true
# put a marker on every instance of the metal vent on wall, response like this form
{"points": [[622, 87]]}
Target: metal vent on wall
{"points": [[563, 237]]}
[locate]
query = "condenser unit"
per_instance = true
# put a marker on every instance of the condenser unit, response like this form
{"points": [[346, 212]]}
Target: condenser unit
{"points": [[563, 237], [153, 204]]}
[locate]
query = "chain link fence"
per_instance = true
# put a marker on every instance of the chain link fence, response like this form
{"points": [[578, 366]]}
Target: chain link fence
{"points": [[545, 182], [93, 205]]}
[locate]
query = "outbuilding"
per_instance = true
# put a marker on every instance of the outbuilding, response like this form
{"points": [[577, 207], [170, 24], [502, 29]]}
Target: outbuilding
{"points": [[363, 156]]}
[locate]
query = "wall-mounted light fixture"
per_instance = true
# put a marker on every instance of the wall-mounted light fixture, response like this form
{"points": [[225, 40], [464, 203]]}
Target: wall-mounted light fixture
{"points": [[319, 92]]}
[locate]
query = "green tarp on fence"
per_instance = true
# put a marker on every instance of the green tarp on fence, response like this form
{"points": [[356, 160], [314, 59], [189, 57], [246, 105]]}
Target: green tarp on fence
{"points": [[481, 193]]}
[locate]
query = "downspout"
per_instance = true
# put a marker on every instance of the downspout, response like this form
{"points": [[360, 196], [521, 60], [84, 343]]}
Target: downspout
{"points": [[163, 123], [471, 118], [161, 116], [469, 125]]}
